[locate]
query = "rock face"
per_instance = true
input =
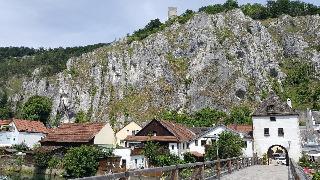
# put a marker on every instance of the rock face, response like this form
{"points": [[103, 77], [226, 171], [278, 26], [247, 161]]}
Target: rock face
{"points": [[211, 61]]}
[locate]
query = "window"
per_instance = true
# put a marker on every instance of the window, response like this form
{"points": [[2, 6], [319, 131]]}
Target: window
{"points": [[188, 145], [280, 132], [133, 133], [266, 132], [203, 142], [272, 118], [182, 145], [154, 133], [172, 147], [245, 144], [136, 161], [196, 142], [177, 145]]}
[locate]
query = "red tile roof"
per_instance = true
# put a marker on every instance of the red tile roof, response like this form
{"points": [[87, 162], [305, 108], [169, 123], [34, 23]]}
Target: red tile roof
{"points": [[29, 126], [5, 122], [74, 132], [181, 132], [241, 128], [151, 138]]}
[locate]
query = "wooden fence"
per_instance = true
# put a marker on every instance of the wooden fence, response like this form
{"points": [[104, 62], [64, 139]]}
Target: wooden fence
{"points": [[296, 172], [195, 171]]}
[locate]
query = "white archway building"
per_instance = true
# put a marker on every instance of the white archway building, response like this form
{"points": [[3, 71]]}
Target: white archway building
{"points": [[276, 123]]}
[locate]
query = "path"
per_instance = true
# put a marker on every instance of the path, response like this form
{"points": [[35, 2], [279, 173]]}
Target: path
{"points": [[259, 172]]}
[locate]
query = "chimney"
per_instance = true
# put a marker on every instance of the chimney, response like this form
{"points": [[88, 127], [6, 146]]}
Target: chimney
{"points": [[289, 103], [172, 12]]}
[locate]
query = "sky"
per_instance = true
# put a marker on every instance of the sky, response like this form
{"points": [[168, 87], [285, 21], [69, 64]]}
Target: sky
{"points": [[65, 23]]}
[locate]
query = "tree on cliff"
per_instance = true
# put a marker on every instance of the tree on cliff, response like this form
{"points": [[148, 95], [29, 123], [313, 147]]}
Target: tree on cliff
{"points": [[37, 108]]}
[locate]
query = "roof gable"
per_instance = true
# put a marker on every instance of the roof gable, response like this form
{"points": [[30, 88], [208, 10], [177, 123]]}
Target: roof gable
{"points": [[167, 128], [273, 106]]}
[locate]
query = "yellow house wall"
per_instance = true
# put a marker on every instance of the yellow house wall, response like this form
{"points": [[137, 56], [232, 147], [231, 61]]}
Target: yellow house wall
{"points": [[127, 130], [105, 136]]}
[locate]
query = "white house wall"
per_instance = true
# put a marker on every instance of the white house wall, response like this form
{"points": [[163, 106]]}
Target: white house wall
{"points": [[125, 154], [105, 136], [137, 162], [30, 139], [290, 125], [6, 138]]}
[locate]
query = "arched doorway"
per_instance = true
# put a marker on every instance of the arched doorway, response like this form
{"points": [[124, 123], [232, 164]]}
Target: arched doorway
{"points": [[276, 151]]}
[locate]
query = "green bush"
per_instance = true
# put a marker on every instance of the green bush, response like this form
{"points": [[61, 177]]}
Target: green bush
{"points": [[54, 162], [21, 147], [41, 159], [81, 161], [189, 158]]}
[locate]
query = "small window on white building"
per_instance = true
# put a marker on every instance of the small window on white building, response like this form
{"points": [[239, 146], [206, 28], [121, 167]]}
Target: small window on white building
{"points": [[183, 146], [280, 132], [272, 118], [266, 132], [196, 142], [245, 144], [188, 145], [172, 147], [203, 142], [136, 161]]}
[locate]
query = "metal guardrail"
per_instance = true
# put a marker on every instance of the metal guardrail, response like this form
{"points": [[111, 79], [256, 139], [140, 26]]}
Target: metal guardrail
{"points": [[199, 171], [296, 172]]}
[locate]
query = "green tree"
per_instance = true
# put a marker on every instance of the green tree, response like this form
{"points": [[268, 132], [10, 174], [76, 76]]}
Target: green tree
{"points": [[255, 11], [231, 4], [159, 156], [81, 117], [239, 115], [81, 161], [37, 108], [229, 145]]}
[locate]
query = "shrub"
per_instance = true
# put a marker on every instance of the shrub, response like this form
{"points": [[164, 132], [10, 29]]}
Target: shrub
{"points": [[54, 163], [21, 147], [42, 159], [189, 158], [81, 161]]}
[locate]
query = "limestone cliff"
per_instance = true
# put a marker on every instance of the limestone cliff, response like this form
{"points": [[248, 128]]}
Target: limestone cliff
{"points": [[211, 61]]}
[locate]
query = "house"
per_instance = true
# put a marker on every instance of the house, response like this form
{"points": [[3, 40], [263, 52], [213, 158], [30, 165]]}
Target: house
{"points": [[172, 136], [131, 158], [130, 129], [19, 131], [246, 133], [276, 128], [77, 134], [207, 136], [179, 139]]}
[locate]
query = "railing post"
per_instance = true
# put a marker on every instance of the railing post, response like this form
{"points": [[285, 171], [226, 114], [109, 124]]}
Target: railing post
{"points": [[175, 174], [229, 166], [238, 164], [218, 169]]}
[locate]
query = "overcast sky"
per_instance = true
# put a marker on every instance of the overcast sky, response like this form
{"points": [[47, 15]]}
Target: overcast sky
{"points": [[54, 23]]}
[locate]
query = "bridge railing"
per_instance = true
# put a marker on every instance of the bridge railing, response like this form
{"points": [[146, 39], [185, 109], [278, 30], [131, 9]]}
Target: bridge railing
{"points": [[198, 171], [296, 171]]}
